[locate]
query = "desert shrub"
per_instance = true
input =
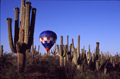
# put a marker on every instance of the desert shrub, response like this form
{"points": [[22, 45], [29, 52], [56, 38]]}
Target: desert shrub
{"points": [[115, 75], [42, 65]]}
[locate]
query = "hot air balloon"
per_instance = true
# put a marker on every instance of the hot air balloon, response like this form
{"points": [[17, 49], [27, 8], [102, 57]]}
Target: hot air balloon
{"points": [[47, 38]]}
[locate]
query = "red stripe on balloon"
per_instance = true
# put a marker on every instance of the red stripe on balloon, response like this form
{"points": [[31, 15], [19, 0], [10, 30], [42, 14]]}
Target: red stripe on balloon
{"points": [[48, 38], [42, 39]]}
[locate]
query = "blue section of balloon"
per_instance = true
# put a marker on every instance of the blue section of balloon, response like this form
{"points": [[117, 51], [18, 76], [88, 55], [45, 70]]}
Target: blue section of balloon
{"points": [[45, 39], [48, 33]]}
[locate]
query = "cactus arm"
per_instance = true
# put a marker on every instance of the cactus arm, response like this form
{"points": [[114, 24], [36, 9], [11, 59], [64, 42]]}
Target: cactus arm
{"points": [[55, 47], [61, 50], [12, 47], [70, 47], [73, 50], [58, 50], [72, 43], [68, 53], [32, 27], [89, 48], [78, 48], [22, 14], [27, 20], [16, 30], [97, 50], [61, 55], [67, 42], [22, 4], [78, 45], [64, 55], [74, 56], [73, 46], [23, 18], [75, 59], [65, 50], [1, 51], [61, 42]]}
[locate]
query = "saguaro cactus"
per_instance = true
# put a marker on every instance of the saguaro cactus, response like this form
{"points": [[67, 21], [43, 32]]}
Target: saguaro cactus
{"points": [[97, 65], [74, 60], [93, 57], [101, 55], [88, 55], [107, 55], [67, 43], [76, 54], [97, 50], [34, 52], [60, 53], [64, 55], [38, 48], [23, 36], [1, 51], [83, 53], [67, 51]]}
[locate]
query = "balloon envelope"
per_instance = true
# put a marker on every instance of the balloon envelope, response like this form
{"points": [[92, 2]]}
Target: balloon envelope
{"points": [[47, 38]]}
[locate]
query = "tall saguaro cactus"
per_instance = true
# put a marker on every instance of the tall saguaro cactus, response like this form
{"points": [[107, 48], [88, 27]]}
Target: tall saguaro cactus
{"points": [[76, 54], [23, 36]]}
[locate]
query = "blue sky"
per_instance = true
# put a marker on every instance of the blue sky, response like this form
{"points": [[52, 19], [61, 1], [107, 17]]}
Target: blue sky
{"points": [[94, 21]]}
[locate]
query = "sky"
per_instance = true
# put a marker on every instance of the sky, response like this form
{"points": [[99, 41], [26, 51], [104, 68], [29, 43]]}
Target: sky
{"points": [[94, 21]]}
